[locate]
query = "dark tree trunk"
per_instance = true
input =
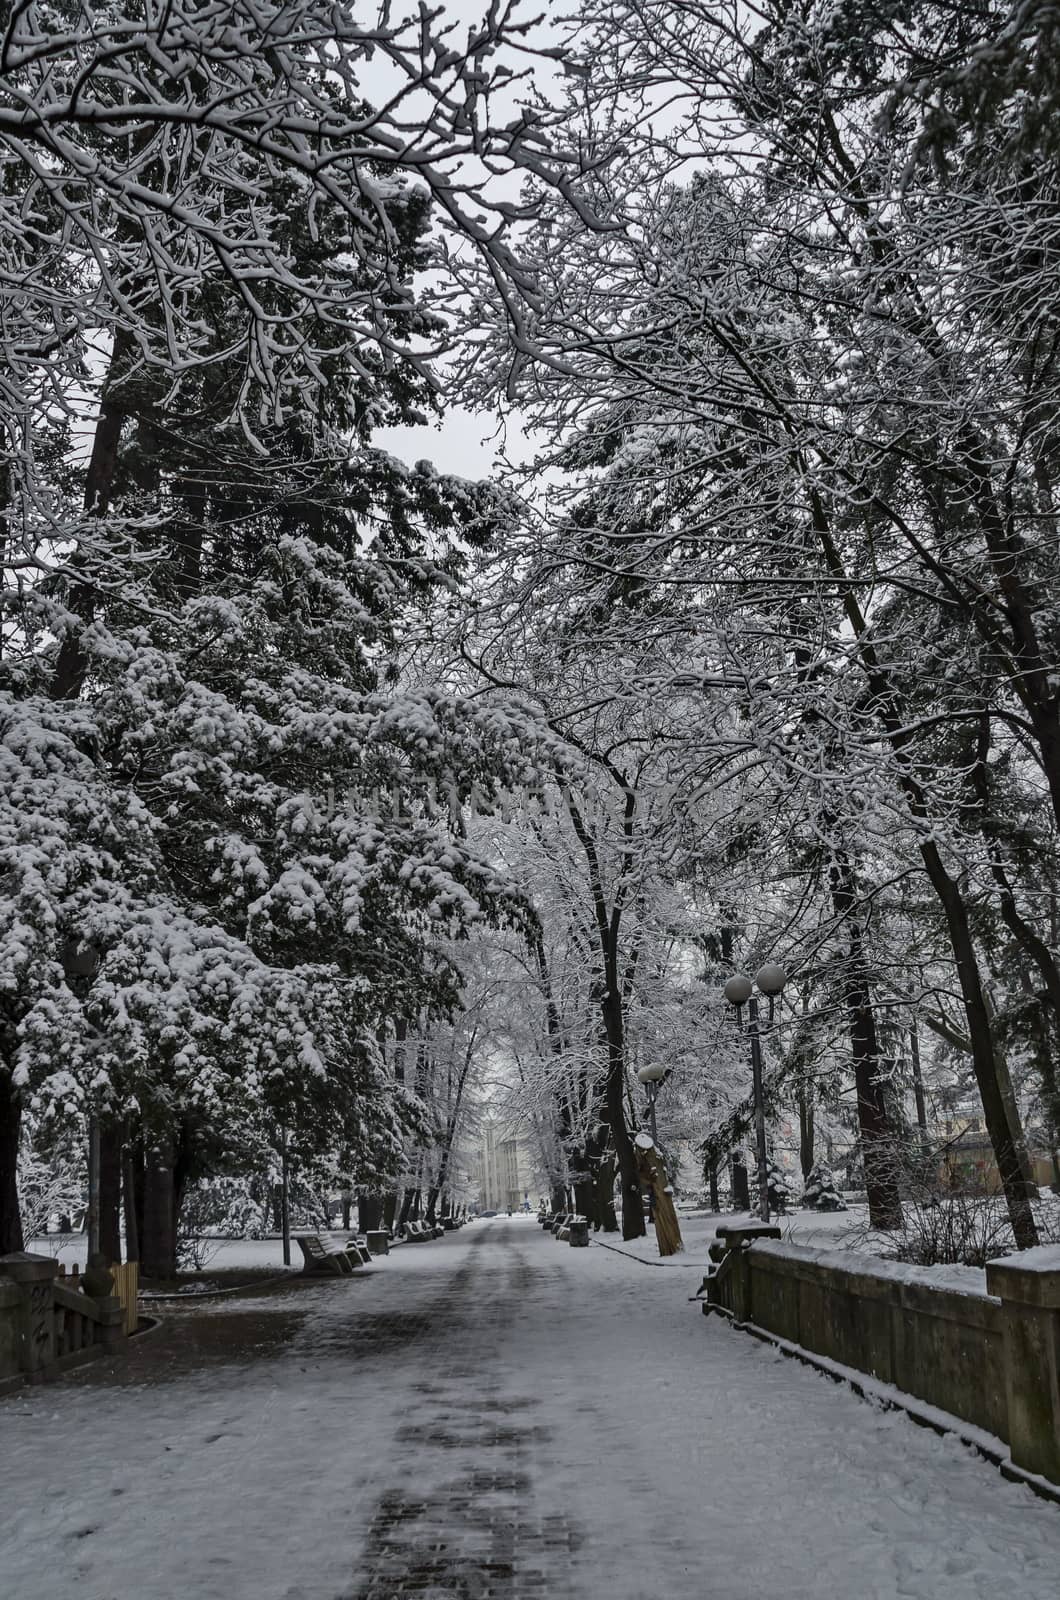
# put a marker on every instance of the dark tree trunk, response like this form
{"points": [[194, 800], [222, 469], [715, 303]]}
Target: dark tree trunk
{"points": [[158, 1242], [878, 1140], [110, 1150], [878, 1136], [918, 1084], [612, 1005], [369, 1211], [558, 1198], [741, 1188], [712, 1180], [390, 1208], [996, 1113], [806, 1128], [629, 1178], [602, 1166], [183, 1166], [584, 1189], [1050, 1084], [129, 1201], [138, 1166], [889, 706], [10, 1129], [71, 662]]}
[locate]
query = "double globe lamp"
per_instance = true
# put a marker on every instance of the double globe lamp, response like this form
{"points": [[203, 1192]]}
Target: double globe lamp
{"points": [[739, 992]]}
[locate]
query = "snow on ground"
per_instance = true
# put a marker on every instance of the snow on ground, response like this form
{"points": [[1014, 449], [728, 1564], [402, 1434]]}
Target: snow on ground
{"points": [[804, 1227], [837, 1230], [219, 1253], [498, 1415]]}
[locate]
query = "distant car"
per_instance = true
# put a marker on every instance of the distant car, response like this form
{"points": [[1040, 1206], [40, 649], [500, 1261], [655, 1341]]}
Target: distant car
{"points": [[487, 1213]]}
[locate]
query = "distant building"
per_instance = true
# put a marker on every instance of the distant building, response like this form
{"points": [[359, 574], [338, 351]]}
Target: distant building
{"points": [[507, 1169], [967, 1162]]}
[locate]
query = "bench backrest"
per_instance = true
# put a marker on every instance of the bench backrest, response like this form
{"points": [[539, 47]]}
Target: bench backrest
{"points": [[316, 1244]]}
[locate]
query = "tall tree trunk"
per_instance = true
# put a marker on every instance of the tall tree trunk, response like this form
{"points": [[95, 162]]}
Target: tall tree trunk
{"points": [[584, 1190], [10, 1131], [110, 1145], [596, 1197], [183, 1164], [129, 1199], [1012, 1110], [712, 1182], [452, 1121], [608, 924], [629, 1178], [806, 1127], [71, 662], [918, 1083], [889, 707], [984, 1056], [1027, 937], [1050, 1086], [369, 1210], [879, 1141], [554, 1034], [741, 1187], [604, 1194], [158, 1242], [138, 1163]]}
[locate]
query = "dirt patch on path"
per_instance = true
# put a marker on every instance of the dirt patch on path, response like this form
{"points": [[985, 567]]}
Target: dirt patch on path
{"points": [[195, 1335]]}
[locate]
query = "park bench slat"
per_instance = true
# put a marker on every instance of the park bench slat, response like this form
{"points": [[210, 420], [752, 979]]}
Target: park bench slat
{"points": [[321, 1255]]}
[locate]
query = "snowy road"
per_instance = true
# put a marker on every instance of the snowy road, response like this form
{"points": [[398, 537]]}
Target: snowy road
{"points": [[496, 1415]]}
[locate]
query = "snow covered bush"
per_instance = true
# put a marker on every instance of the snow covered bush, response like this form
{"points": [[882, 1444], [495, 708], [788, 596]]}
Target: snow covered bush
{"points": [[223, 1207], [48, 1186], [820, 1192], [779, 1189]]}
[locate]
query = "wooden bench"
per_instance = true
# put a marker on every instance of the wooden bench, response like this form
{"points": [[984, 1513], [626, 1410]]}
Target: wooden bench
{"points": [[359, 1247], [322, 1255], [416, 1232]]}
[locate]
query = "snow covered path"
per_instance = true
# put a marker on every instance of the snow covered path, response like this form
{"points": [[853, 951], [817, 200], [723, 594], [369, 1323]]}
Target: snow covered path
{"points": [[496, 1415]]}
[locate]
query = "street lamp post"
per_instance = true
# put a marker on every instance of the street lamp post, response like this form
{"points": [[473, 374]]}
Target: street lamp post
{"points": [[651, 1077], [739, 992]]}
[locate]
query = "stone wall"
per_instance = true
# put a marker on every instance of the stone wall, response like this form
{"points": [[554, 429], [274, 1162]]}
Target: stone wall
{"points": [[988, 1354], [10, 1300], [46, 1328]]}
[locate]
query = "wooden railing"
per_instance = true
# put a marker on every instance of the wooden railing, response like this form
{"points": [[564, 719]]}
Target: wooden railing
{"points": [[126, 1275]]}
